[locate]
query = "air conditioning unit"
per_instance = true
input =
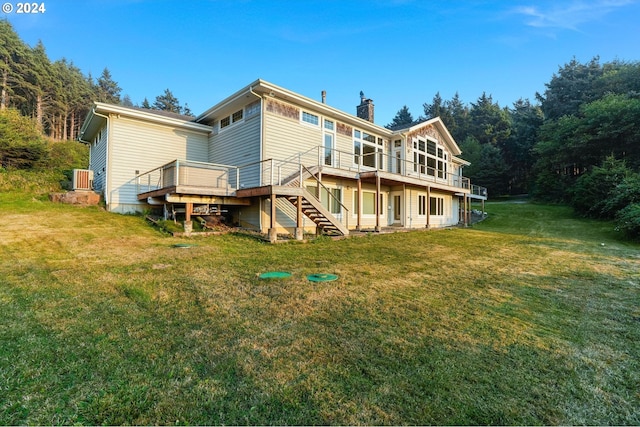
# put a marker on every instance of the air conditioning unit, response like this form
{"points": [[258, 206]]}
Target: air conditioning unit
{"points": [[82, 179]]}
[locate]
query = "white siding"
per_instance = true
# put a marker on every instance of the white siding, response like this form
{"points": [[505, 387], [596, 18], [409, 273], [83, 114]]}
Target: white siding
{"points": [[286, 137], [98, 154], [238, 145], [137, 147]]}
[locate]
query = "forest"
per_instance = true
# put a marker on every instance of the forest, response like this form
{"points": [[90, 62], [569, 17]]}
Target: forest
{"points": [[577, 143]]}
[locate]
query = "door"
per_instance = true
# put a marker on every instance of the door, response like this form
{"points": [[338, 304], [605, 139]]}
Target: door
{"points": [[395, 209]]}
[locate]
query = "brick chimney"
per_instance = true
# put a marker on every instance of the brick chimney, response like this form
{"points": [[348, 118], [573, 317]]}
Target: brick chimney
{"points": [[365, 109]]}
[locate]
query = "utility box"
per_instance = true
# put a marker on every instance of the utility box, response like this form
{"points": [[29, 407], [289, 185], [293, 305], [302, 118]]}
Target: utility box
{"points": [[82, 179]]}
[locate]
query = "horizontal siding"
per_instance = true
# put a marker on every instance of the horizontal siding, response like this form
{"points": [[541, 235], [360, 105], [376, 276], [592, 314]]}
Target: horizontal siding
{"points": [[286, 137], [238, 145], [139, 147], [98, 154]]}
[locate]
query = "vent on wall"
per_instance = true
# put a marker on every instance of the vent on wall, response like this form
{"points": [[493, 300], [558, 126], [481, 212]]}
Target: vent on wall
{"points": [[82, 179]]}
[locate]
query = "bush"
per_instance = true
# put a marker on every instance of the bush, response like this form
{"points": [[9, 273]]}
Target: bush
{"points": [[593, 189], [21, 143], [628, 221], [67, 155]]}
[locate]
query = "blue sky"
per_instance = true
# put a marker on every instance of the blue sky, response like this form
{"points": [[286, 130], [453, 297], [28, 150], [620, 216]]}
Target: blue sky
{"points": [[399, 52]]}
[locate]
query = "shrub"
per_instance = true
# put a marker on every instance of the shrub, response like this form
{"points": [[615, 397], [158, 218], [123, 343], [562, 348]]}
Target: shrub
{"points": [[628, 221], [21, 143], [592, 190]]}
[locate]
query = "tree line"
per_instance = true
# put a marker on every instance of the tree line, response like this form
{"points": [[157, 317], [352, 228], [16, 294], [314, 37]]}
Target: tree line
{"points": [[587, 112], [57, 95], [578, 143]]}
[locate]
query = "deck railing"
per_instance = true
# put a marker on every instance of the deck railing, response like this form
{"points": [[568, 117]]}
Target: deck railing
{"points": [[188, 173], [282, 172]]}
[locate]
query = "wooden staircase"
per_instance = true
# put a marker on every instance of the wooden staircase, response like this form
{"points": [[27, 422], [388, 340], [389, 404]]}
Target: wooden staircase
{"points": [[311, 206], [313, 209]]}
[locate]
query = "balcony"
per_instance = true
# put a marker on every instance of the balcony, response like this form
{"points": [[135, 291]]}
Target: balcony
{"points": [[208, 179]]}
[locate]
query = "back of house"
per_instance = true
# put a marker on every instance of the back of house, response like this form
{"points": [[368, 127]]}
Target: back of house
{"points": [[274, 161]]}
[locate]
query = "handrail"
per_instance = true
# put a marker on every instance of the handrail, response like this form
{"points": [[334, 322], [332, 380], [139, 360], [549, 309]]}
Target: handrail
{"points": [[330, 194], [339, 159]]}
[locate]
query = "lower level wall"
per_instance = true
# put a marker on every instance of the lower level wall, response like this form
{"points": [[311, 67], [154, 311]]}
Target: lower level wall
{"points": [[405, 208]]}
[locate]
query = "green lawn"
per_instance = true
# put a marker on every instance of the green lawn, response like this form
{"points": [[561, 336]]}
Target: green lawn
{"points": [[531, 317]]}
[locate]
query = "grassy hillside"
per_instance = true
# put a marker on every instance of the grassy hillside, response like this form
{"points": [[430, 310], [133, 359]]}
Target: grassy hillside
{"points": [[528, 318]]}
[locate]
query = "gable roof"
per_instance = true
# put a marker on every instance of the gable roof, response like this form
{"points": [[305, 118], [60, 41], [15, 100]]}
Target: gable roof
{"points": [[439, 125], [95, 119], [261, 88]]}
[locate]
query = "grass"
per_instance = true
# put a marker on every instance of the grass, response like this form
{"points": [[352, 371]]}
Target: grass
{"points": [[530, 317]]}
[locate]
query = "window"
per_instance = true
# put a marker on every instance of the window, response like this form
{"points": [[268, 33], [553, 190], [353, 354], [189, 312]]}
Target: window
{"points": [[310, 118], [328, 149], [368, 203], [328, 125], [422, 205], [233, 118], [429, 158], [368, 150], [436, 206], [329, 197], [253, 108]]}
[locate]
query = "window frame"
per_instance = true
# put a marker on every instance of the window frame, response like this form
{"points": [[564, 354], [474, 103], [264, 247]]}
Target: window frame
{"points": [[304, 115]]}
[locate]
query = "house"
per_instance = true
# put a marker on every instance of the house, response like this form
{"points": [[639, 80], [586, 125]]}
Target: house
{"points": [[278, 162]]}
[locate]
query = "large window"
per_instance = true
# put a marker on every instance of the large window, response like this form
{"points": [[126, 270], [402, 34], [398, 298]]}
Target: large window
{"points": [[429, 158], [331, 198], [368, 203], [367, 150], [422, 205], [436, 206]]}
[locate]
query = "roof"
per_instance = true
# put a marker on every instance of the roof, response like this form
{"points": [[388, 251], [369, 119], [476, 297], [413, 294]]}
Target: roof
{"points": [[439, 124], [166, 114], [96, 118], [261, 88]]}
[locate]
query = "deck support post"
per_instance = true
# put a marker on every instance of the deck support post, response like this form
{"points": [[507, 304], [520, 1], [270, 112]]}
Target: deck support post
{"points": [[428, 207], [188, 224], [465, 211], [359, 205], [378, 207], [273, 235], [299, 231]]}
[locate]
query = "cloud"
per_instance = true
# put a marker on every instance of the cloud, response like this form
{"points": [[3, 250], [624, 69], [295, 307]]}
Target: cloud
{"points": [[568, 16]]}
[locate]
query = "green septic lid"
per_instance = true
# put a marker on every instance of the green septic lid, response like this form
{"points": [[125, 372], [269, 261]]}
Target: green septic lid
{"points": [[322, 277], [183, 245], [274, 275]]}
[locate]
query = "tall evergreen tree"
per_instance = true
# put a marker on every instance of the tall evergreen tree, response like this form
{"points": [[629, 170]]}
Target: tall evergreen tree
{"points": [[403, 118], [167, 102], [107, 89], [526, 119], [488, 123], [571, 87], [13, 66]]}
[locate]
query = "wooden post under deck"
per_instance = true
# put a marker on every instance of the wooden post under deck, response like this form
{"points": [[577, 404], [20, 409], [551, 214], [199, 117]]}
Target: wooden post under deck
{"points": [[273, 235], [466, 218], [188, 225], [359, 204], [299, 232], [187, 211], [378, 207], [428, 206]]}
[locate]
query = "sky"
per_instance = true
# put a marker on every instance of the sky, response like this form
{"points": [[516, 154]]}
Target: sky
{"points": [[398, 52]]}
